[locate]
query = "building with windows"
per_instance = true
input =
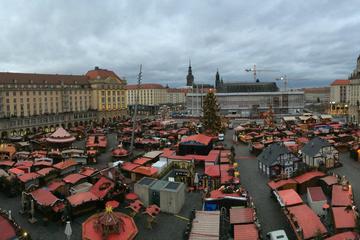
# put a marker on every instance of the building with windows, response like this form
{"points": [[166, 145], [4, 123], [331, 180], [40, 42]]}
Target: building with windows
{"points": [[250, 104], [320, 95], [32, 102], [150, 94], [176, 96], [339, 97], [354, 97]]}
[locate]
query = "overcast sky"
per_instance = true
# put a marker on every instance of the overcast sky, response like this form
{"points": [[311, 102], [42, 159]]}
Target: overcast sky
{"points": [[312, 42]]}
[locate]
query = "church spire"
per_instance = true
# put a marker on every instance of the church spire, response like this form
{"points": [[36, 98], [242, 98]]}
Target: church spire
{"points": [[217, 79], [190, 76]]}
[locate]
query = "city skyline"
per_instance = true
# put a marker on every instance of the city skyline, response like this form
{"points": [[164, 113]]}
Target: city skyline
{"points": [[312, 48]]}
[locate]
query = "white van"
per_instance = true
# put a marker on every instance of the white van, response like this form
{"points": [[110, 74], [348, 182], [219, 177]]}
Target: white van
{"points": [[277, 235]]}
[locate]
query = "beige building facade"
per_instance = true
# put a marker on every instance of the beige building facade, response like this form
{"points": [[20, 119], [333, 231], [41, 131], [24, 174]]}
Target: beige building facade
{"points": [[339, 97], [32, 102], [354, 94], [149, 94]]}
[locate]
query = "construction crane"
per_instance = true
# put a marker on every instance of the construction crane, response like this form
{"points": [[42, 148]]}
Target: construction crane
{"points": [[285, 79], [255, 70]]}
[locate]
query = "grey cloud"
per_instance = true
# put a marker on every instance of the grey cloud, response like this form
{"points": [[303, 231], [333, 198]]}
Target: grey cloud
{"points": [[312, 42]]}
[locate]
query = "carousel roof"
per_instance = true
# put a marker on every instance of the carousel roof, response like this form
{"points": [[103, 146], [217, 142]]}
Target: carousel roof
{"points": [[8, 231], [127, 231], [60, 136]]}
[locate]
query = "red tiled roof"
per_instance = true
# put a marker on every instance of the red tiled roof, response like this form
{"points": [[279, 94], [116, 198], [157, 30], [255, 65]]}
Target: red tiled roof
{"points": [[246, 232], [73, 178], [200, 138], [218, 194], [102, 187], [81, 197], [308, 176], [16, 171], [129, 166], [307, 220], [343, 218], [241, 215], [24, 164], [142, 160], [144, 86], [35, 78], [344, 236], [7, 163], [28, 177], [102, 73], [44, 197], [42, 163], [65, 164], [55, 185], [88, 171], [330, 180], [317, 194], [340, 82], [289, 197], [275, 185], [45, 171], [212, 170], [147, 171], [340, 197]]}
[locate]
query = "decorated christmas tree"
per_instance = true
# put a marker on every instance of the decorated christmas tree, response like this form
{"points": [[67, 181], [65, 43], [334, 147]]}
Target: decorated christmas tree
{"points": [[211, 119]]}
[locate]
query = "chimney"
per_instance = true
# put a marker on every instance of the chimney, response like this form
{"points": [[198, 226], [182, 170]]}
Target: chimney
{"points": [[97, 68]]}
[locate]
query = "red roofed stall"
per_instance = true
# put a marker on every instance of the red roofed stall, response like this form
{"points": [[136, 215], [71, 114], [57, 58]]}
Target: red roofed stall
{"points": [[28, 180], [82, 202], [102, 187], [246, 232], [288, 197], [199, 144], [343, 219], [304, 221], [67, 167], [341, 196], [309, 179], [283, 184], [47, 203]]}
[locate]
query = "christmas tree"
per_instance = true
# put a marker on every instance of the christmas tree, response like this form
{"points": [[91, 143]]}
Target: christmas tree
{"points": [[211, 120]]}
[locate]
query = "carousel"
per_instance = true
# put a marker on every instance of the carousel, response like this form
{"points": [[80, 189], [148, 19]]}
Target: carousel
{"points": [[60, 138], [119, 152], [109, 225]]}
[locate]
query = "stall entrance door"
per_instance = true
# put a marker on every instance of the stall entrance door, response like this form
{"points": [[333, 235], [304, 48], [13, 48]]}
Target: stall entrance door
{"points": [[155, 198]]}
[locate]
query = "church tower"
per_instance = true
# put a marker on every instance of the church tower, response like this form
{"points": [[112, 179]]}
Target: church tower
{"points": [[190, 76], [217, 79]]}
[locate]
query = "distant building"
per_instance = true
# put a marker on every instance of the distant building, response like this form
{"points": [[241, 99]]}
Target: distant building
{"points": [[251, 104], [176, 95], [31, 102], [243, 87], [339, 97], [317, 95], [354, 98], [149, 94], [189, 77]]}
